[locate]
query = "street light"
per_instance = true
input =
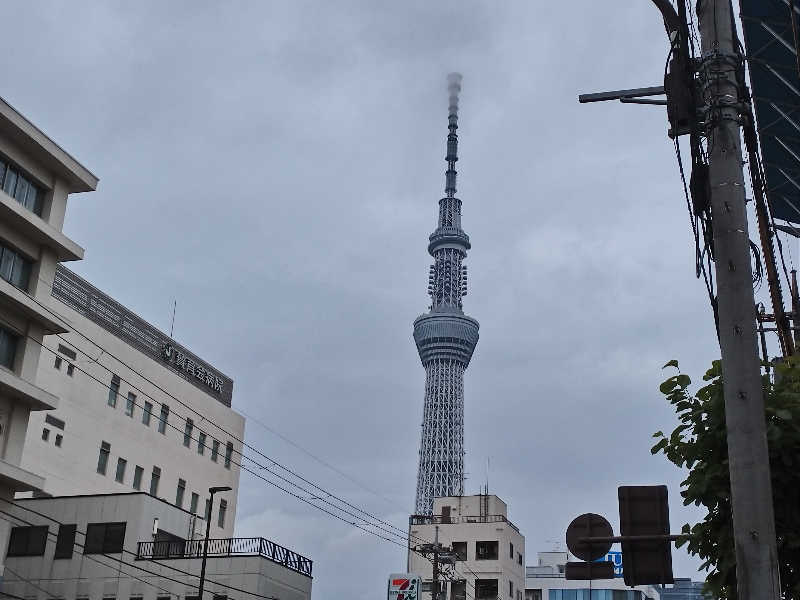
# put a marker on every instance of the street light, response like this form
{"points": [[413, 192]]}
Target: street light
{"points": [[211, 491]]}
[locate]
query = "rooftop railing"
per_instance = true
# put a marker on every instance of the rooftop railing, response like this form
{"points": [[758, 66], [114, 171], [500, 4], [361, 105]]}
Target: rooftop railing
{"points": [[445, 520], [226, 547]]}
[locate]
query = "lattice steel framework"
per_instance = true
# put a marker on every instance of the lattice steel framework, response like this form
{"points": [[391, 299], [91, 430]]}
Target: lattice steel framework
{"points": [[445, 339]]}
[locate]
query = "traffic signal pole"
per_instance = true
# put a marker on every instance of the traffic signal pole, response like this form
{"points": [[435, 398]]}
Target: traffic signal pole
{"points": [[751, 492]]}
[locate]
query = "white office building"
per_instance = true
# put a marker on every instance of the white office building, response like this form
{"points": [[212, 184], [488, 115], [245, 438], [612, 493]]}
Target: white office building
{"points": [[36, 177], [545, 581], [138, 411], [490, 549], [136, 547]]}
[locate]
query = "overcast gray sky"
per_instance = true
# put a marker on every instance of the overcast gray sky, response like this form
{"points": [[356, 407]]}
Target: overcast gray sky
{"points": [[276, 166]]}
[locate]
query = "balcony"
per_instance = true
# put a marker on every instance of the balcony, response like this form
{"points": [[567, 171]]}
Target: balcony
{"points": [[444, 520], [225, 548]]}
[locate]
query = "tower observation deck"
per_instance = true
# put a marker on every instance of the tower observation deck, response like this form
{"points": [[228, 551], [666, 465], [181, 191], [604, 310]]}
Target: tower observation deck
{"points": [[446, 339]]}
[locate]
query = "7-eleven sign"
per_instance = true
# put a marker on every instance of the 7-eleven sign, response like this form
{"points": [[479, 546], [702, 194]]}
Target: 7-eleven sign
{"points": [[404, 586]]}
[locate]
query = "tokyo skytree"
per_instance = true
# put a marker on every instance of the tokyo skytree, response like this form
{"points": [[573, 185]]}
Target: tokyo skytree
{"points": [[445, 339]]}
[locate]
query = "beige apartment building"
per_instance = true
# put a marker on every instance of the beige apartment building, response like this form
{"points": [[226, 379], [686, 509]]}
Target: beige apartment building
{"points": [[490, 549], [36, 178]]}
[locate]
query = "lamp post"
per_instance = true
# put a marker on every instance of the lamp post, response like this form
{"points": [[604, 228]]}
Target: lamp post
{"points": [[211, 491]]}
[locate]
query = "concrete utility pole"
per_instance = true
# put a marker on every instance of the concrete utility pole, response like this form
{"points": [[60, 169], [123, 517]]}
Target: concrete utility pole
{"points": [[751, 492], [435, 593]]}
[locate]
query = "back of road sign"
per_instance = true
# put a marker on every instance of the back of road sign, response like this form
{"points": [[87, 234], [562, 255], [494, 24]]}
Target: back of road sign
{"points": [[405, 586]]}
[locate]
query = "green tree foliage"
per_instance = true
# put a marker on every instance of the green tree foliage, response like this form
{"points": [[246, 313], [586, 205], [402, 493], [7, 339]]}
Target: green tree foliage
{"points": [[699, 444]]}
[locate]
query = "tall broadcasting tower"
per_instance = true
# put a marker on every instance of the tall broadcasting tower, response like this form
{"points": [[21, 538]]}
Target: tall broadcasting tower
{"points": [[445, 339]]}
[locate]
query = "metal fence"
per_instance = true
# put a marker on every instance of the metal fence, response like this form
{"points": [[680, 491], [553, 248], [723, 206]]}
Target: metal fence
{"points": [[225, 547], [444, 520]]}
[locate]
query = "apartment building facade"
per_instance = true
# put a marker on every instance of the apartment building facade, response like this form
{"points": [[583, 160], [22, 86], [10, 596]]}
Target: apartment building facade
{"points": [[37, 177]]}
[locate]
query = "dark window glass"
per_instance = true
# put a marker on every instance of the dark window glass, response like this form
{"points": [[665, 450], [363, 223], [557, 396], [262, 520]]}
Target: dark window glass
{"points": [[102, 461], [223, 508], [207, 512], [59, 439], [137, 477], [214, 450], [27, 541], [3, 167], [228, 454], [65, 541], [14, 267], [121, 464], [113, 391], [45, 434], [201, 443], [70, 369], [162, 420], [68, 352], [154, 479], [104, 538], [57, 363], [511, 550], [486, 550], [187, 433], [148, 410], [460, 550], [22, 189], [511, 588], [130, 403], [193, 504], [57, 423], [10, 182], [179, 494], [8, 348]]}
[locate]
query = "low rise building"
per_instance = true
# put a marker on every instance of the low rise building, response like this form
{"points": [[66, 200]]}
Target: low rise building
{"points": [[36, 178], [138, 410], [490, 550], [545, 581], [684, 589], [135, 546]]}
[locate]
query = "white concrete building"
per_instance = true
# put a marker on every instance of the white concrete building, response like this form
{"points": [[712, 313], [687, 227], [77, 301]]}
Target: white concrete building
{"points": [[36, 177], [490, 548], [545, 581], [138, 411], [134, 546]]}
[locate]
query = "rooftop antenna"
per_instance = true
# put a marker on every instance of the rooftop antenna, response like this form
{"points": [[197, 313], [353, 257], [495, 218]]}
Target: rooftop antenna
{"points": [[172, 325]]}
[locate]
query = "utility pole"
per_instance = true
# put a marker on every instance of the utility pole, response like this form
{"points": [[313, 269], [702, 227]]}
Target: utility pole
{"points": [[435, 593], [751, 492]]}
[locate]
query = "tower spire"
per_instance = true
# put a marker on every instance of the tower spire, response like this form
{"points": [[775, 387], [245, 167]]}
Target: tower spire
{"points": [[445, 339]]}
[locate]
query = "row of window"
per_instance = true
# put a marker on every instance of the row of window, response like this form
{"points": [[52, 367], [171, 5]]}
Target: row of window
{"points": [[14, 268], [101, 538], [585, 594], [58, 424], [155, 480], [20, 187], [484, 550], [8, 347], [163, 417]]}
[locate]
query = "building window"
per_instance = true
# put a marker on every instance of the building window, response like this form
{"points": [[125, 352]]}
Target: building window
{"points": [[102, 461], [154, 479], [223, 508], [511, 550], [57, 363], [70, 369], [519, 558], [137, 477], [162, 420], [120, 476], [14, 268], [201, 443], [65, 542], [187, 433], [485, 550], [193, 505], [104, 538], [148, 410], [27, 541], [57, 423], [20, 187], [113, 391], [59, 439], [533, 594], [460, 550], [8, 347], [511, 588], [179, 494], [207, 512], [228, 454], [214, 450], [486, 589], [130, 403], [45, 434]]}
